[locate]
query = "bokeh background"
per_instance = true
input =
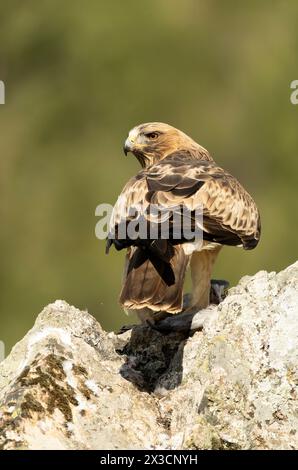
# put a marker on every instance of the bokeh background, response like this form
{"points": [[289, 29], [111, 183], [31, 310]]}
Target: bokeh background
{"points": [[78, 76]]}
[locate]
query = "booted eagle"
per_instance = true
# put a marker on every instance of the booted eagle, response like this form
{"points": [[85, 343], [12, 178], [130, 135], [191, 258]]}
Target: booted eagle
{"points": [[176, 172]]}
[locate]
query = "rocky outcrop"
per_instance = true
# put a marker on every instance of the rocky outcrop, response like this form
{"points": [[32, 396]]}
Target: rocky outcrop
{"points": [[233, 385]]}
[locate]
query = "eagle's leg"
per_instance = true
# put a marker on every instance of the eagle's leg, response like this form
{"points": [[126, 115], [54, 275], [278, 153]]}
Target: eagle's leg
{"points": [[201, 268], [218, 292], [190, 319]]}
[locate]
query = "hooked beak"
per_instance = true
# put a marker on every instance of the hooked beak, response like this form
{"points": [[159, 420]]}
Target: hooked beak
{"points": [[128, 146]]}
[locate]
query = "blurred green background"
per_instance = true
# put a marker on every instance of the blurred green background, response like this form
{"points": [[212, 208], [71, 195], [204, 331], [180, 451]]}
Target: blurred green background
{"points": [[78, 76]]}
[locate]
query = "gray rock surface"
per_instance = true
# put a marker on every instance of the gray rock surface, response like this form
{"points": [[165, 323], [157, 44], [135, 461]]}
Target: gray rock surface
{"points": [[233, 385]]}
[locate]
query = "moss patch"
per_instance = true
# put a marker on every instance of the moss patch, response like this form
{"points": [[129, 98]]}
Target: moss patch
{"points": [[47, 376], [30, 404], [79, 370], [221, 444]]}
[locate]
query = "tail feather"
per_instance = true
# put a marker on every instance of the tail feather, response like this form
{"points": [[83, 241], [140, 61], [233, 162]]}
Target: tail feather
{"points": [[152, 282]]}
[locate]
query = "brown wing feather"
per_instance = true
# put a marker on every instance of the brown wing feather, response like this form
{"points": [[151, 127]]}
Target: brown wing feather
{"points": [[231, 216]]}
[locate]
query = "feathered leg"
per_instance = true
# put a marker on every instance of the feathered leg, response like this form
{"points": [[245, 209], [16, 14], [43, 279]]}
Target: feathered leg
{"points": [[201, 268]]}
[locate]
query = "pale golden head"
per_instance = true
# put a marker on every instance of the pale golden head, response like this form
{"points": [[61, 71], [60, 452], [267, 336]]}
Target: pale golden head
{"points": [[153, 141]]}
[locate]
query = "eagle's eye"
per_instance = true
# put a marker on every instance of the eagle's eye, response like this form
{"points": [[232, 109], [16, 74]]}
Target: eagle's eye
{"points": [[152, 135]]}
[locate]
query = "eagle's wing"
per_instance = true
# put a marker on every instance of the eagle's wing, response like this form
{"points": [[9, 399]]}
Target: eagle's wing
{"points": [[230, 216], [131, 200], [131, 206]]}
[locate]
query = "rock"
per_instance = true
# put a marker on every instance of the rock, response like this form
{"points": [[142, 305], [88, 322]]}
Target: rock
{"points": [[70, 385]]}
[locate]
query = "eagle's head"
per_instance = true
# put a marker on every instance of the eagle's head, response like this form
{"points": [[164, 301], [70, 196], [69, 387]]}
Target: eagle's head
{"points": [[154, 141]]}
